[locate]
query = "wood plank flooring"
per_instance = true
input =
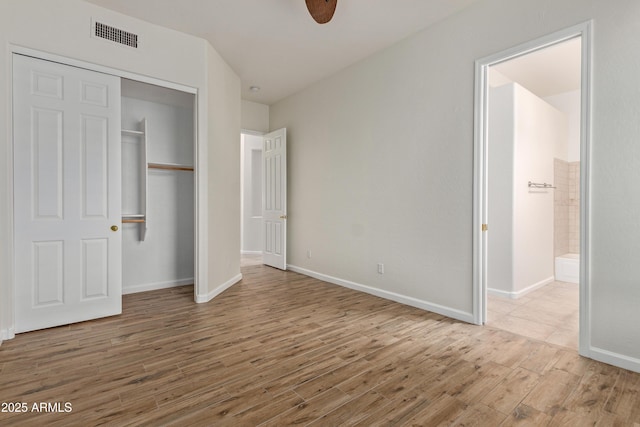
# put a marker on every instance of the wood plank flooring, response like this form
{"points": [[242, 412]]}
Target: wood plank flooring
{"points": [[283, 349]]}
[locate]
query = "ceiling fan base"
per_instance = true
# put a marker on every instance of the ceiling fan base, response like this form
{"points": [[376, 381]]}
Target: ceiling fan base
{"points": [[322, 10]]}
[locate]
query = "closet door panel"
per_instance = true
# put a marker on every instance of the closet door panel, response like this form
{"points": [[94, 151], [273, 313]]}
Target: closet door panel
{"points": [[68, 265], [95, 177], [46, 158], [48, 283], [95, 268]]}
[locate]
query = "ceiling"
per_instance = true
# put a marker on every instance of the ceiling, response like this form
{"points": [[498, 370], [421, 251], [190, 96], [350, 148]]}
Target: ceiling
{"points": [[545, 72], [276, 44]]}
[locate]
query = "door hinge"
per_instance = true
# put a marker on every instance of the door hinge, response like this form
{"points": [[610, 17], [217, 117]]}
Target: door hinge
{"points": [[485, 227]]}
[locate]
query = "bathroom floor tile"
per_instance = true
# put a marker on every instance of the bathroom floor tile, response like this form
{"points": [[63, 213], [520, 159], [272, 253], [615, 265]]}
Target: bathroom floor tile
{"points": [[564, 337], [527, 328], [554, 305], [501, 305], [549, 314], [547, 317], [566, 285]]}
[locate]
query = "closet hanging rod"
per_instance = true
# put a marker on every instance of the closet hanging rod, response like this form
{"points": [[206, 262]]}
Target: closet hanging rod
{"points": [[133, 221], [170, 166], [540, 185]]}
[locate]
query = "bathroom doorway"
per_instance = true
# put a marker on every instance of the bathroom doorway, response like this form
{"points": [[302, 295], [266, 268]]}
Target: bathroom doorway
{"points": [[529, 196]]}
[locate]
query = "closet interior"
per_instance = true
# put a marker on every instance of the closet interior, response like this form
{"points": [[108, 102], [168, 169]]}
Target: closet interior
{"points": [[157, 187]]}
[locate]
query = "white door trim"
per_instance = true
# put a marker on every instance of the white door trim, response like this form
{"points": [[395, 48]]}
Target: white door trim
{"points": [[7, 288], [480, 217]]}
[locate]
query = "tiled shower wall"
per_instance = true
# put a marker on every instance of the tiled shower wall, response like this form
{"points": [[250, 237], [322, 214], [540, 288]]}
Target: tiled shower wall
{"points": [[574, 207], [566, 207], [561, 207]]}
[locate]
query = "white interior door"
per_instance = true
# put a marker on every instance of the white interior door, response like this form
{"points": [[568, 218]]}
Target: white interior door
{"points": [[274, 199], [66, 194]]}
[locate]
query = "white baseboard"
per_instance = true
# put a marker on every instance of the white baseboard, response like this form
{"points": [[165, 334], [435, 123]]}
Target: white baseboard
{"points": [[155, 286], [522, 292], [615, 359], [217, 291], [251, 252], [7, 334], [403, 299]]}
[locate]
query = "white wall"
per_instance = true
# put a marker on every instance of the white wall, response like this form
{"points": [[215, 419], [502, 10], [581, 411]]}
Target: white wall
{"points": [[62, 27], [251, 172], [540, 133], [501, 134], [569, 103], [166, 257], [255, 116], [224, 175], [525, 135], [387, 174]]}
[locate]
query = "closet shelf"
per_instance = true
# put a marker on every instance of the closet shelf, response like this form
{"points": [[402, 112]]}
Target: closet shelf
{"points": [[132, 132], [133, 221], [133, 218], [170, 166]]}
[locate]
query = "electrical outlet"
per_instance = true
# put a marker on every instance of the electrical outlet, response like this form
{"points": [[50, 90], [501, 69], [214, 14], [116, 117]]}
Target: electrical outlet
{"points": [[380, 268]]}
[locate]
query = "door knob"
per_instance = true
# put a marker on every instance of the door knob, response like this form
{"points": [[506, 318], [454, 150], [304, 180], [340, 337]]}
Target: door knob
{"points": [[283, 217], [114, 228]]}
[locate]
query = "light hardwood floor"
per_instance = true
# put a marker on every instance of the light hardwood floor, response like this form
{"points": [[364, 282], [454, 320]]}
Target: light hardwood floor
{"points": [[280, 349]]}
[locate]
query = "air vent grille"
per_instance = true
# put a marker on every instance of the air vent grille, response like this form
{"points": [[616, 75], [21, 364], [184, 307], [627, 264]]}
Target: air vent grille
{"points": [[116, 35]]}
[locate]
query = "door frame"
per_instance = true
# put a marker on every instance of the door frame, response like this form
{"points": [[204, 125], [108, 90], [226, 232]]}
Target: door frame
{"points": [[7, 291], [480, 180]]}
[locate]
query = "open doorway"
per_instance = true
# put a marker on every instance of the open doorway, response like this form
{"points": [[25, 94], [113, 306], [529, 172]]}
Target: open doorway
{"points": [[531, 171], [534, 198], [251, 198], [264, 199]]}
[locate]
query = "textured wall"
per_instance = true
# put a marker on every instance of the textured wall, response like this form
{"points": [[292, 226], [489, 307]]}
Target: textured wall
{"points": [[381, 161]]}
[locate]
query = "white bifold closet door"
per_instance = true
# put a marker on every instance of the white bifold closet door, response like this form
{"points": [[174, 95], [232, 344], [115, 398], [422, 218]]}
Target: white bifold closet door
{"points": [[67, 194]]}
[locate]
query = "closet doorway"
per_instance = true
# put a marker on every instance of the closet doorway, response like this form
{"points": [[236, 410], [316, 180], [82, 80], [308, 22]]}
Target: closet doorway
{"points": [[104, 190], [157, 187]]}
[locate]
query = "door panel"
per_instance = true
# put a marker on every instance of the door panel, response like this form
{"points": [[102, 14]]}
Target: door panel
{"points": [[66, 194], [274, 154], [46, 158], [95, 178], [48, 273], [95, 274]]}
